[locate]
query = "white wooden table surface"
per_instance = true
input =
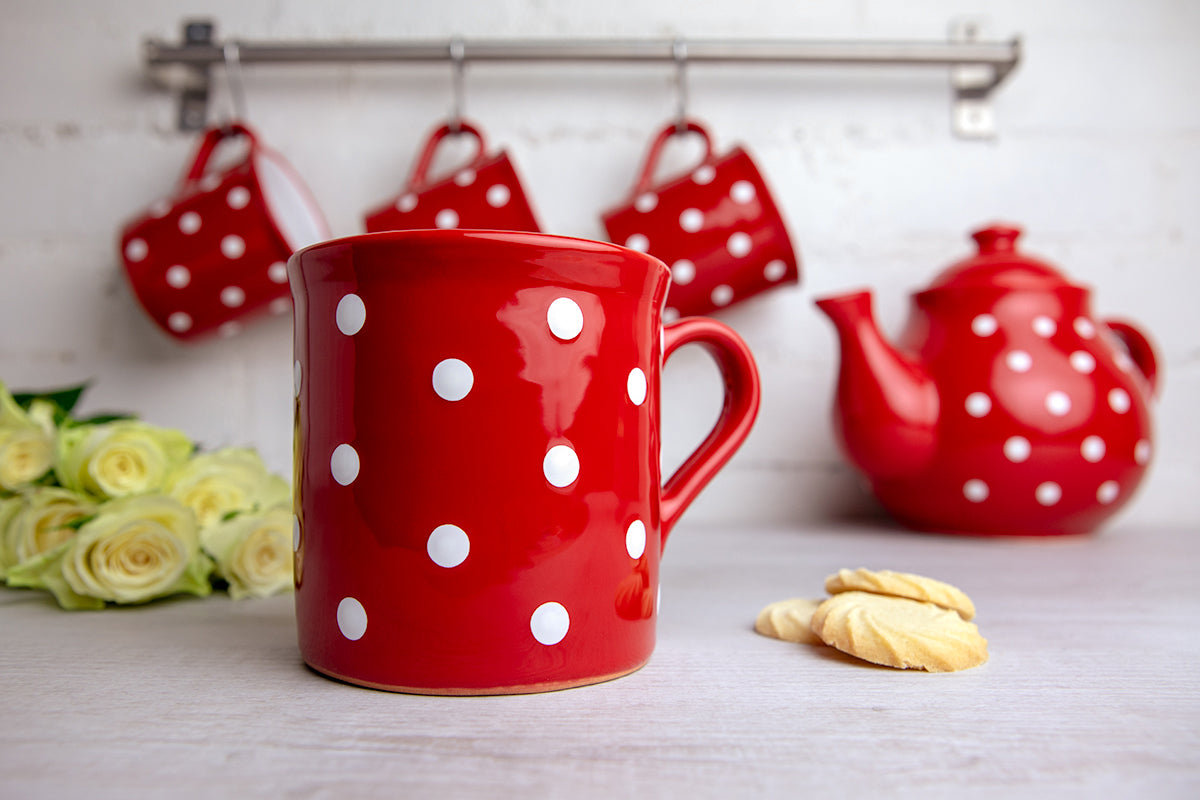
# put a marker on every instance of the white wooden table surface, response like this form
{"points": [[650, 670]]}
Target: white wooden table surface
{"points": [[1092, 690]]}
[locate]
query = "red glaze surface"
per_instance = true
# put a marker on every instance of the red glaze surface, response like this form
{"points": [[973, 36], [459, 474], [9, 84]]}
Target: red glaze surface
{"points": [[716, 227], [549, 576], [1004, 408], [483, 193], [214, 254]]}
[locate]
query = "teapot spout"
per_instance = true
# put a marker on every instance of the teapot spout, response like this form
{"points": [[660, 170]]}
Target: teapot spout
{"points": [[886, 408]]}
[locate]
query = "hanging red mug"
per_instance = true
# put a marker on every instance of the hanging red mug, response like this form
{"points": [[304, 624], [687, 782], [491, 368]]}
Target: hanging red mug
{"points": [[484, 193], [716, 226], [215, 253]]}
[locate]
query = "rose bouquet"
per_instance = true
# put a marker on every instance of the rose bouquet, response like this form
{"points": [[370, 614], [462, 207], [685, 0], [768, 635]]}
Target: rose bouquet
{"points": [[110, 509]]}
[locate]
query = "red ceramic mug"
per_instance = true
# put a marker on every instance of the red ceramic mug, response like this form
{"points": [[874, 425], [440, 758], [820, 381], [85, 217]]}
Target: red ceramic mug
{"points": [[479, 504], [483, 193], [215, 253], [716, 226]]}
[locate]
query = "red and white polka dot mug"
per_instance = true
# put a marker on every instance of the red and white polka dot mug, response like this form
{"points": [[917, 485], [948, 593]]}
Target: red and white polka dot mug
{"points": [[716, 227], [215, 253], [484, 193], [479, 504]]}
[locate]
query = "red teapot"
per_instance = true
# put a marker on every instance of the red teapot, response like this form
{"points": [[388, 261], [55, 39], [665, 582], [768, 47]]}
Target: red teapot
{"points": [[1004, 407]]}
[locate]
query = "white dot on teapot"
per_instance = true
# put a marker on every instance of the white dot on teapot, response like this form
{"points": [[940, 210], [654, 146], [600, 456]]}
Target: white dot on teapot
{"points": [[1107, 492], [229, 329], [1141, 451], [344, 464], [1118, 400], [670, 314], [178, 276], [406, 203], [280, 305], [465, 177], [742, 191], [549, 623], [984, 325], [635, 539], [639, 242], [683, 272], [446, 218], [1084, 327], [180, 322], [1082, 362], [238, 197], [722, 295], [233, 246], [189, 222], [448, 546], [635, 385], [1017, 449], [565, 318], [1092, 449], [136, 249], [975, 490], [1048, 493], [1058, 403], [159, 208], [691, 220], [351, 619], [978, 404], [351, 314], [498, 195], [704, 174], [277, 272], [774, 270], [232, 296], [739, 245], [1044, 326], [646, 201], [452, 379], [1019, 361], [560, 466]]}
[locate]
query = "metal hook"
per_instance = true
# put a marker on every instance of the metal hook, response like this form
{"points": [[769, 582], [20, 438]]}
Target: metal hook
{"points": [[233, 75], [679, 53], [458, 57]]}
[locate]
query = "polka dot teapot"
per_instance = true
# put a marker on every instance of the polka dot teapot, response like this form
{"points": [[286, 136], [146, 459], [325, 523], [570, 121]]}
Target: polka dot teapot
{"points": [[1003, 408]]}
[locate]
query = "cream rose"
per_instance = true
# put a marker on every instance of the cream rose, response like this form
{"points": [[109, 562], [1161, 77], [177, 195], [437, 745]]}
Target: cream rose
{"points": [[8, 509], [233, 479], [42, 521], [119, 459], [27, 442], [253, 551]]}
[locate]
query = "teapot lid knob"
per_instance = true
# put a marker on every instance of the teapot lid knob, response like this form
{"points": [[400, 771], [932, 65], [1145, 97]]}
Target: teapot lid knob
{"points": [[997, 239]]}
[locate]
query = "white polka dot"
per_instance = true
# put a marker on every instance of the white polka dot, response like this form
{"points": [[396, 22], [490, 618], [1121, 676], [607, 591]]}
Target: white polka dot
{"points": [[1118, 400], [635, 539], [635, 385], [1108, 491], [233, 246], [232, 296], [351, 314], [238, 197], [452, 379], [742, 191], [691, 220], [1048, 493], [565, 318], [1019, 361], [1058, 403], [1017, 449], [446, 218], [639, 242], [1084, 327], [683, 272], [136, 249], [178, 276], [647, 201], [1044, 326], [277, 272], [722, 295], [1124, 362], [297, 377], [1082, 362], [560, 466], [210, 182], [978, 404], [975, 490], [406, 202], [739, 245], [351, 619], [159, 209], [179, 322], [549, 623], [448, 546], [1092, 449], [343, 464], [280, 305], [229, 329], [984, 325], [1141, 451], [670, 314], [465, 177], [189, 222], [774, 270], [295, 534], [704, 174], [498, 195]]}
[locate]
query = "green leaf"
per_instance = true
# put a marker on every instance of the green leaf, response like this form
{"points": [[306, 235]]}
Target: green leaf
{"points": [[101, 419], [65, 399]]}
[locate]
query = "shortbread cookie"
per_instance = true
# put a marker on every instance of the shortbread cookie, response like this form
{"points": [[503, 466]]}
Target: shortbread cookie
{"points": [[790, 620], [901, 584], [898, 632]]}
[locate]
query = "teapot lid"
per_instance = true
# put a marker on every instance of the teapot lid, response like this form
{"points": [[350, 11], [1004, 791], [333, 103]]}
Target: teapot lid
{"points": [[998, 265]]}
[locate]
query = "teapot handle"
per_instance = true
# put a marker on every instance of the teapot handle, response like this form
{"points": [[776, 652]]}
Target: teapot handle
{"points": [[1140, 350]]}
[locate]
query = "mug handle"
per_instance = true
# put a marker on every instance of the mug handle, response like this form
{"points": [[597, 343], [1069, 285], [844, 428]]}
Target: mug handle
{"points": [[646, 177], [1140, 350], [417, 180], [742, 395], [208, 145]]}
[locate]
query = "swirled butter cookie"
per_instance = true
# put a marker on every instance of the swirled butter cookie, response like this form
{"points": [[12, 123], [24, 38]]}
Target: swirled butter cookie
{"points": [[901, 584], [790, 620], [899, 632]]}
